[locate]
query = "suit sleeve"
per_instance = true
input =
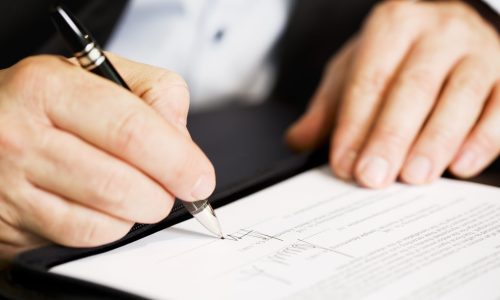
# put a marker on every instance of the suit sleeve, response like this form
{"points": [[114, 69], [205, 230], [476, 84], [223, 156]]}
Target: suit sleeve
{"points": [[489, 9], [494, 4]]}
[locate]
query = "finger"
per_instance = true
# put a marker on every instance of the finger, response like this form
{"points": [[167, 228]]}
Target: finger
{"points": [[69, 167], [381, 49], [117, 121], [409, 100], [67, 223], [12, 236], [315, 125], [483, 143], [162, 89], [456, 112]]}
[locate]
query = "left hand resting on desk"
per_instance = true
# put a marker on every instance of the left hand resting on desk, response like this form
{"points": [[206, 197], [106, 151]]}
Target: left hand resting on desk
{"points": [[417, 92]]}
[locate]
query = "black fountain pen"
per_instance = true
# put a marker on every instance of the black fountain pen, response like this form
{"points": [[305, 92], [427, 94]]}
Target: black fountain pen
{"points": [[91, 57]]}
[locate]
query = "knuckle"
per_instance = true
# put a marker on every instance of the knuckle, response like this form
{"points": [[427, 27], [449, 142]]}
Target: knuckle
{"points": [[37, 215], [8, 214], [98, 232], [349, 132], [470, 85], [127, 133], [30, 74], [475, 89], [486, 141], [171, 78], [174, 84], [71, 228], [62, 224], [348, 127], [391, 9], [368, 82], [57, 224], [171, 81], [89, 233], [11, 141], [111, 189], [71, 232], [442, 138], [45, 141], [392, 137], [17, 195], [451, 23], [421, 80]]}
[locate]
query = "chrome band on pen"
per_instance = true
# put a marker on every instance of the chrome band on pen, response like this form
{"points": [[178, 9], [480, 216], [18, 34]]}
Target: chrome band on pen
{"points": [[196, 206], [91, 57]]}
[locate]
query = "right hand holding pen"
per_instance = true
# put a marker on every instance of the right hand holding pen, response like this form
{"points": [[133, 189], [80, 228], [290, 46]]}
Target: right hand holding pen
{"points": [[82, 159]]}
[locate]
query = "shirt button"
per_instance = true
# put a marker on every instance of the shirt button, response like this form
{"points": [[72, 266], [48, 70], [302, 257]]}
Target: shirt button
{"points": [[219, 35]]}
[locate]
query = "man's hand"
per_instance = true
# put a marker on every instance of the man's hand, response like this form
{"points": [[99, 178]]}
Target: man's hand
{"points": [[82, 159], [418, 91]]}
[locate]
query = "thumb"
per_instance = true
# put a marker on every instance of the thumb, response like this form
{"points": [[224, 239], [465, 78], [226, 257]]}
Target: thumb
{"points": [[315, 125]]}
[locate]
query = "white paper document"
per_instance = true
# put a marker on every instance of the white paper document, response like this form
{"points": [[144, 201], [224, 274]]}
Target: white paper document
{"points": [[316, 237]]}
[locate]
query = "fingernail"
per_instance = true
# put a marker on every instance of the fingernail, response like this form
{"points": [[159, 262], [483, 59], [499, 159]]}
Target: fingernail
{"points": [[345, 164], [418, 170], [374, 171], [202, 188], [466, 161]]}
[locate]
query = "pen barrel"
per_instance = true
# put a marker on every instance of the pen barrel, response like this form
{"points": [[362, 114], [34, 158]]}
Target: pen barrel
{"points": [[93, 59], [106, 70], [203, 212]]}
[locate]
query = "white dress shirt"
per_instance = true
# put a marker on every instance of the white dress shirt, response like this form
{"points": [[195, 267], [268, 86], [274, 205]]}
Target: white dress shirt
{"points": [[221, 47]]}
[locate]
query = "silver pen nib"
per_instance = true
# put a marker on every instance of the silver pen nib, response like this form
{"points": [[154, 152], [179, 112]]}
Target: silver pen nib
{"points": [[204, 213]]}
